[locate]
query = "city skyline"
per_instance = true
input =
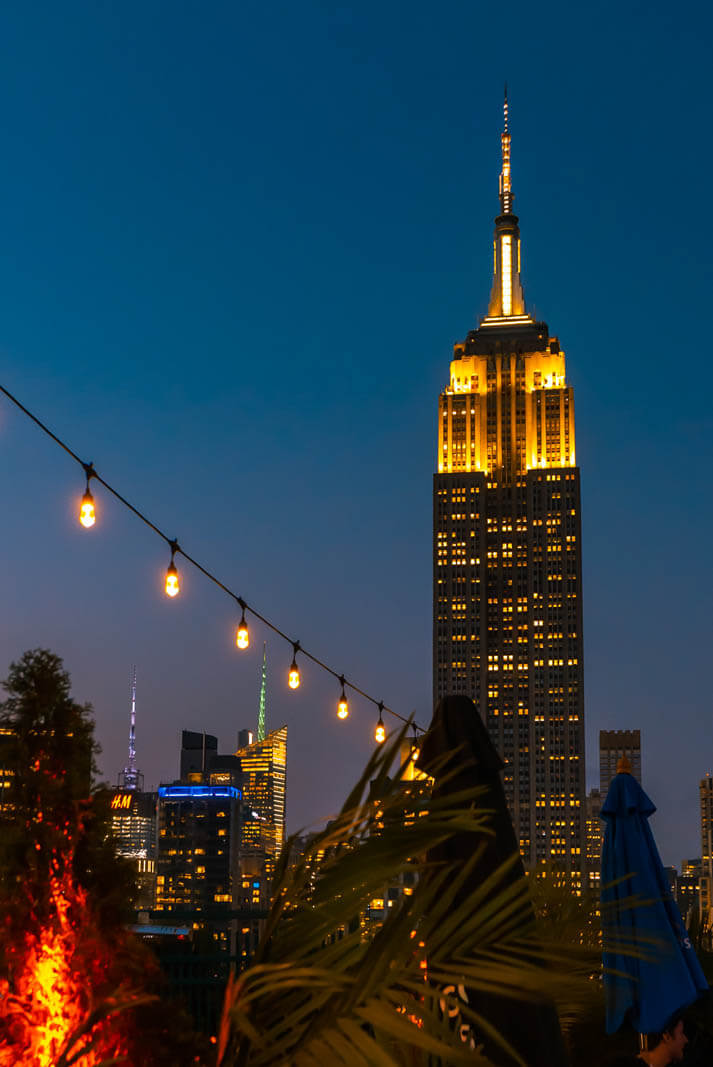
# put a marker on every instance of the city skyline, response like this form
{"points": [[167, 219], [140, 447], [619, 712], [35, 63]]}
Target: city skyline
{"points": [[236, 294]]}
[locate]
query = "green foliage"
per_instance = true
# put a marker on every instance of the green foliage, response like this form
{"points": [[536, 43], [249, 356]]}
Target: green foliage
{"points": [[49, 751], [49, 810], [320, 991]]}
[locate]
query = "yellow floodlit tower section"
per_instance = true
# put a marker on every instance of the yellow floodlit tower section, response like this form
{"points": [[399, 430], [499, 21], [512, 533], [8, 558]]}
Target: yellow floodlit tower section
{"points": [[507, 626], [507, 407]]}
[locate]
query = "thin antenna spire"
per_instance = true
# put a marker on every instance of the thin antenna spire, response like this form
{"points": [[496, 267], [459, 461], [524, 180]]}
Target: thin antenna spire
{"points": [[130, 777], [507, 300], [263, 687], [506, 196], [132, 728]]}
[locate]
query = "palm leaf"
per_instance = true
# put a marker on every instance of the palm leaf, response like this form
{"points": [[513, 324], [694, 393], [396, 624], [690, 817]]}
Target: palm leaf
{"points": [[73, 1050], [323, 989]]}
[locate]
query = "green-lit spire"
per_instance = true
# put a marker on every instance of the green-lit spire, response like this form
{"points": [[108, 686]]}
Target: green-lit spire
{"points": [[263, 683]]}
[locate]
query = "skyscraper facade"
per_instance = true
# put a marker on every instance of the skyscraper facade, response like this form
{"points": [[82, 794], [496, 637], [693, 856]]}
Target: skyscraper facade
{"points": [[507, 585], [705, 897], [264, 777], [133, 824], [197, 752], [688, 890], [199, 846], [613, 746], [594, 837]]}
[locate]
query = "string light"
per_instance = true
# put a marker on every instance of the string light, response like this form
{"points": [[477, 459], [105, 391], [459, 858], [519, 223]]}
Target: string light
{"points": [[87, 518], [343, 705], [293, 678], [173, 586], [242, 634], [87, 514], [380, 731]]}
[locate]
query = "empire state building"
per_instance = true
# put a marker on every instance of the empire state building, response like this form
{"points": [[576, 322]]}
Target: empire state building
{"points": [[507, 575]]}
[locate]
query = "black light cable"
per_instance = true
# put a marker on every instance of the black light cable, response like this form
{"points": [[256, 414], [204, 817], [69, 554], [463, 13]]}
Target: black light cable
{"points": [[88, 518]]}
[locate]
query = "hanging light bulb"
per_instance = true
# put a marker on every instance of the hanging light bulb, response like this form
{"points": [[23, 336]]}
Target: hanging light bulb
{"points": [[380, 730], [87, 514], [173, 587], [242, 634], [293, 678], [343, 705]]}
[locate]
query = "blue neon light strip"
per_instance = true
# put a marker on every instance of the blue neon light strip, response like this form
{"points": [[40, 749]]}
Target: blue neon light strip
{"points": [[175, 792]]}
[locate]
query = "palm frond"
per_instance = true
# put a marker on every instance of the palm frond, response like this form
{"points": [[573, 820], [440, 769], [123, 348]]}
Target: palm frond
{"points": [[85, 1037], [323, 989]]}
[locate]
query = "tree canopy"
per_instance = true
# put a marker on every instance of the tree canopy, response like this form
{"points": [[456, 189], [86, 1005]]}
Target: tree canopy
{"points": [[51, 806]]}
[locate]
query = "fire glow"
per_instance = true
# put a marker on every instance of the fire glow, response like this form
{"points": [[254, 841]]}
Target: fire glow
{"points": [[46, 1007]]}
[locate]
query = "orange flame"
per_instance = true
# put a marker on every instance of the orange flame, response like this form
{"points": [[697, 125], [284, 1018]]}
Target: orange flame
{"points": [[48, 997]]}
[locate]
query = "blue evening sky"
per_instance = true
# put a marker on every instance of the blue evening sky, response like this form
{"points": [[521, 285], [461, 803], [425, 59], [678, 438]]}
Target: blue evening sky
{"points": [[237, 243]]}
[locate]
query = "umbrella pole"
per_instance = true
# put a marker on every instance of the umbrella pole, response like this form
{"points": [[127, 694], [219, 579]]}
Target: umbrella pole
{"points": [[643, 1042]]}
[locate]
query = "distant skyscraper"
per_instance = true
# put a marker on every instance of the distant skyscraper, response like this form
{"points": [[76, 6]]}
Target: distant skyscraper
{"points": [[133, 824], [264, 777], [706, 887], [594, 829], [688, 888], [507, 592], [198, 871], [130, 778], [613, 745], [133, 817], [197, 751], [199, 866]]}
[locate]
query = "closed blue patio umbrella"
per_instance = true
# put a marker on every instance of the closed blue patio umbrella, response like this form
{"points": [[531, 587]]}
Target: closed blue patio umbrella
{"points": [[658, 974]]}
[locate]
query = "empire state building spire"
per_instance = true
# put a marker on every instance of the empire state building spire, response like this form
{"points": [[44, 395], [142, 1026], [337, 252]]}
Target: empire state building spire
{"points": [[507, 300], [505, 190]]}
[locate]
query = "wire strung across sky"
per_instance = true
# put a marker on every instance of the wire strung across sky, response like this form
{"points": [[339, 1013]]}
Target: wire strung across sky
{"points": [[172, 586]]}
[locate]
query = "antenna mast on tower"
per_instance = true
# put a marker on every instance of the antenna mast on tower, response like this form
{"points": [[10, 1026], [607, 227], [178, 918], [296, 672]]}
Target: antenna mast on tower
{"points": [[263, 686], [132, 728], [130, 778]]}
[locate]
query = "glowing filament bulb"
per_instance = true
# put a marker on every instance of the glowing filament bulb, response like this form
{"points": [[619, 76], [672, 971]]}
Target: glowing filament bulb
{"points": [[380, 731], [172, 585], [87, 515], [343, 705], [293, 678], [242, 635]]}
